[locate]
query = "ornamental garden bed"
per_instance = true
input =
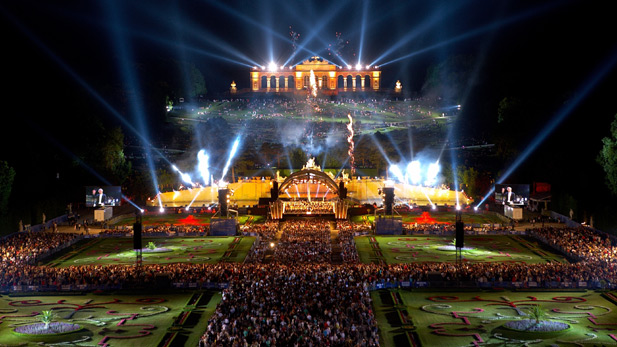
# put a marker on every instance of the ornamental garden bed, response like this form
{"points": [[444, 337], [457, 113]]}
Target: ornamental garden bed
{"points": [[431, 318], [104, 320]]}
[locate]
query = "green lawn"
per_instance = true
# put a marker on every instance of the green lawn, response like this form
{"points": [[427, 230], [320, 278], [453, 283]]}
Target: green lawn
{"points": [[114, 320], [430, 318], [166, 219], [181, 219], [431, 248], [115, 250], [438, 217]]}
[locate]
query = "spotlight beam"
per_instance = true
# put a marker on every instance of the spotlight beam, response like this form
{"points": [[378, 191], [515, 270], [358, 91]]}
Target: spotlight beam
{"points": [[203, 166], [195, 197], [380, 148], [79, 80], [232, 153], [430, 21], [179, 45], [559, 117], [122, 46], [316, 31], [77, 159], [362, 29], [249, 20], [478, 31]]}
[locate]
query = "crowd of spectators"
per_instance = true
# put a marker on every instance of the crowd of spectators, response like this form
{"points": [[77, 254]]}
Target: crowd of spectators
{"points": [[304, 241], [266, 233], [12, 274], [346, 232], [158, 230], [354, 228], [27, 247], [266, 230], [349, 253], [301, 298], [582, 243], [294, 305]]}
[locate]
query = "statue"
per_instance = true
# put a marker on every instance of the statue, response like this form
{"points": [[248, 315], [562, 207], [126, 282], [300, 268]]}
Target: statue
{"points": [[398, 87], [310, 165], [233, 88]]}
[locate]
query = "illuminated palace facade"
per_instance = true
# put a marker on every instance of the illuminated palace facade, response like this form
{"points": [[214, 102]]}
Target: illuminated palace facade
{"points": [[328, 77]]}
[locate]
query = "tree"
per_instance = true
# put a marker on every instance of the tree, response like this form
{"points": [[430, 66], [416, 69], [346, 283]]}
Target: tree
{"points": [[368, 154], [7, 176], [113, 160], [165, 179], [198, 83], [47, 317], [450, 78], [607, 158], [297, 157], [270, 153], [537, 313], [509, 113], [469, 177], [245, 162]]}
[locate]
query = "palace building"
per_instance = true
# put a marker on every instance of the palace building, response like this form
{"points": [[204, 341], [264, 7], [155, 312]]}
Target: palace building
{"points": [[328, 77]]}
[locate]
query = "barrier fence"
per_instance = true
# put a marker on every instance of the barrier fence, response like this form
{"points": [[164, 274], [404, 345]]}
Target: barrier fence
{"points": [[376, 285]]}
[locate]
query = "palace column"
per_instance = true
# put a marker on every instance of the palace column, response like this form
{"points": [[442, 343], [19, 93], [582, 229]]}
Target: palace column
{"points": [[286, 79], [344, 82], [255, 81], [277, 82], [299, 80], [362, 81], [376, 75], [353, 82]]}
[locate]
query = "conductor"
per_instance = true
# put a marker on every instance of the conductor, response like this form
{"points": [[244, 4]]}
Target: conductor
{"points": [[100, 199]]}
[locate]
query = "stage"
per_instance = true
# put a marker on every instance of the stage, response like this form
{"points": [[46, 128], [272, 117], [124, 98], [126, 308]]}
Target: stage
{"points": [[246, 193]]}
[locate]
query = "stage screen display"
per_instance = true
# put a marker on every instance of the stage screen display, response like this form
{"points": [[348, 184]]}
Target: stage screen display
{"points": [[101, 196], [512, 194]]}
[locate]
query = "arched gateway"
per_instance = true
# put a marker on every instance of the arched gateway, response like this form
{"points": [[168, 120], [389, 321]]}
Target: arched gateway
{"points": [[309, 192]]}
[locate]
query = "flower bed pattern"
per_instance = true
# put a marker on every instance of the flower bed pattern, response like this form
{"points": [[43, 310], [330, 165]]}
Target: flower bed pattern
{"points": [[91, 319], [39, 329], [169, 250], [530, 325], [457, 319], [433, 248]]}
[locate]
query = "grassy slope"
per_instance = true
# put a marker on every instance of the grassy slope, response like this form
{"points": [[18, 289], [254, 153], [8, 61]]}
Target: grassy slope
{"points": [[424, 248], [185, 249]]}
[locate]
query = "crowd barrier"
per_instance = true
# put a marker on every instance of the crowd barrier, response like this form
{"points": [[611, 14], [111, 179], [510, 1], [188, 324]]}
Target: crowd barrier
{"points": [[492, 284], [377, 285], [52, 252], [149, 234], [556, 247]]}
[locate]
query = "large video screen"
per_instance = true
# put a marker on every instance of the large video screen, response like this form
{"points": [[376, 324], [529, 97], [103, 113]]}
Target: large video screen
{"points": [[512, 194], [101, 196]]}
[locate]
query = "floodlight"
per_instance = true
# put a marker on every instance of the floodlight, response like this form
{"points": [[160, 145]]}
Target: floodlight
{"points": [[397, 172], [413, 172]]}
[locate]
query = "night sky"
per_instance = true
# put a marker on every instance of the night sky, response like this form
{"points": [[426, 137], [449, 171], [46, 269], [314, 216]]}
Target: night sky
{"points": [[58, 53]]}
